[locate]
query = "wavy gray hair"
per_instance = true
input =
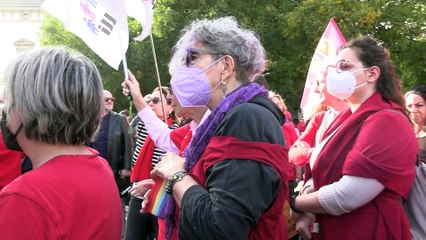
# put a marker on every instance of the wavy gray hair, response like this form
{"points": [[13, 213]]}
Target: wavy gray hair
{"points": [[57, 94], [225, 36]]}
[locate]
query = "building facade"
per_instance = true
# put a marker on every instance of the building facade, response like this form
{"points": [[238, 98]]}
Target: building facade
{"points": [[20, 22]]}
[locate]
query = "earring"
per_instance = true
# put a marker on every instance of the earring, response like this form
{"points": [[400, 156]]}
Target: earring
{"points": [[224, 89], [224, 81]]}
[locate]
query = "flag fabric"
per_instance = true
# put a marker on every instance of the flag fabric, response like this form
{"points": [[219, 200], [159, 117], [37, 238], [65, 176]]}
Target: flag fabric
{"points": [[101, 24], [143, 12], [159, 201], [325, 53]]}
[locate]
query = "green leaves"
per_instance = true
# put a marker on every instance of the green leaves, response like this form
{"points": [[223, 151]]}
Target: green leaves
{"points": [[290, 31]]}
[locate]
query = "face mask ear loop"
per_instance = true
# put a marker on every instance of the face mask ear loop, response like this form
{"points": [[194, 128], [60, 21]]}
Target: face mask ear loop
{"points": [[211, 64]]}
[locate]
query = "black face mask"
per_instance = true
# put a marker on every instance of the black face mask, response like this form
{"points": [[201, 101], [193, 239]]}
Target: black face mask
{"points": [[9, 138]]}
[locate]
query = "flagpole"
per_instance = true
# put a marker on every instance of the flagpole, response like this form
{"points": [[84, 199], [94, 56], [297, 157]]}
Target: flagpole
{"points": [[158, 75], [126, 77]]}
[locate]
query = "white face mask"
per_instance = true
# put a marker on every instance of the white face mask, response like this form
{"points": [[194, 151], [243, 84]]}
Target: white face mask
{"points": [[342, 84]]}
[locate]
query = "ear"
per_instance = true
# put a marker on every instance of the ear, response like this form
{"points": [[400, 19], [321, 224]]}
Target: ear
{"points": [[228, 66], [373, 73]]}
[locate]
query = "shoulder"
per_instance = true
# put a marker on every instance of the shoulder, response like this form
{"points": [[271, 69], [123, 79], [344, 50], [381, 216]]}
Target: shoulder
{"points": [[251, 122], [389, 118], [259, 111], [24, 190]]}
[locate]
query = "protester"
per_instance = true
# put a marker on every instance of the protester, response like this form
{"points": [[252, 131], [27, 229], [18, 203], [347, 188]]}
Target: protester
{"points": [[301, 150], [143, 226], [53, 107], [364, 167], [170, 140], [113, 142], [237, 183], [289, 130], [415, 101], [290, 135]]}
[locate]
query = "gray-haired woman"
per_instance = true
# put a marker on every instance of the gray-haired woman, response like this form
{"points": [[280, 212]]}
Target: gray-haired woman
{"points": [[232, 183], [53, 107]]}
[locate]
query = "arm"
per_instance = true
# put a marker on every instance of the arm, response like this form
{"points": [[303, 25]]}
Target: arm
{"points": [[158, 130], [300, 152], [343, 196], [17, 219], [376, 161], [131, 86], [228, 202], [237, 192]]}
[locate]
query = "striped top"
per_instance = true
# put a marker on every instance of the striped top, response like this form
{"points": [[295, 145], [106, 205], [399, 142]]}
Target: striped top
{"points": [[142, 134]]}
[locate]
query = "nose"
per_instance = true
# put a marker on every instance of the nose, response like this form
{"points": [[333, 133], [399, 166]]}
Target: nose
{"points": [[412, 109]]}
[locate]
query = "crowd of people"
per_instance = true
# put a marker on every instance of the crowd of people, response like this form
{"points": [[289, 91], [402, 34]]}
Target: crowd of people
{"points": [[215, 155]]}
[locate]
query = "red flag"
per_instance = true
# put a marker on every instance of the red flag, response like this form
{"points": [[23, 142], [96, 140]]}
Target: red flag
{"points": [[325, 53]]}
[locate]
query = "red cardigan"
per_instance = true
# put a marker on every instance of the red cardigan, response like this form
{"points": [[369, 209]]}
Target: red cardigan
{"points": [[376, 141]]}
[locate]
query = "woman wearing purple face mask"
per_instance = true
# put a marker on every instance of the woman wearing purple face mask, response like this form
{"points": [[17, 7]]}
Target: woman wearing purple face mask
{"points": [[363, 167], [232, 181]]}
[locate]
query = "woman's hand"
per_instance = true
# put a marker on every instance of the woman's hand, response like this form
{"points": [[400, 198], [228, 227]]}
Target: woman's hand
{"points": [[304, 222], [140, 188], [300, 153], [131, 86], [145, 201], [170, 164]]}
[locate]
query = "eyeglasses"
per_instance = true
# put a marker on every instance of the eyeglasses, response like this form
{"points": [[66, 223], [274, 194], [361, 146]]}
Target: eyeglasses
{"points": [[190, 57], [112, 99], [342, 66], [154, 100]]}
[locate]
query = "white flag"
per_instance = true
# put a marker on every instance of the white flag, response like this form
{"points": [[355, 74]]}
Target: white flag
{"points": [[142, 11], [101, 24], [331, 41]]}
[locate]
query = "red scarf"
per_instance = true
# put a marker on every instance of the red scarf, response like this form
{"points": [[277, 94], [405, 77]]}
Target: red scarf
{"points": [[389, 163], [181, 137], [271, 225], [143, 165]]}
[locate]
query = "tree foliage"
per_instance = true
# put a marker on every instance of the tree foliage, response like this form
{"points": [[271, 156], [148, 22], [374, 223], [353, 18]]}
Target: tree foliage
{"points": [[289, 30]]}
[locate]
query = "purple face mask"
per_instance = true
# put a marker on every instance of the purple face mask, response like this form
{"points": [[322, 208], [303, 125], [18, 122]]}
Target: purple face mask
{"points": [[191, 86]]}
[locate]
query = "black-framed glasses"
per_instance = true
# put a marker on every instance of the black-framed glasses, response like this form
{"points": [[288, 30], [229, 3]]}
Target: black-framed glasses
{"points": [[154, 100], [112, 99], [342, 66], [190, 57]]}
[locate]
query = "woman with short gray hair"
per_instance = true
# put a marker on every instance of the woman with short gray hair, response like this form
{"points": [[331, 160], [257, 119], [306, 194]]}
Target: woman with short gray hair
{"points": [[232, 181], [53, 107]]}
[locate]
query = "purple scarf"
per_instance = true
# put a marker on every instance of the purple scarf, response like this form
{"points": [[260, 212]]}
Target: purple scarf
{"points": [[206, 131]]}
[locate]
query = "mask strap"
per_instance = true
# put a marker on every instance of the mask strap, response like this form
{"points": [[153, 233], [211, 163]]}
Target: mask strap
{"points": [[211, 64], [361, 69], [361, 85], [19, 129], [221, 82]]}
